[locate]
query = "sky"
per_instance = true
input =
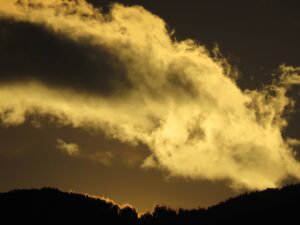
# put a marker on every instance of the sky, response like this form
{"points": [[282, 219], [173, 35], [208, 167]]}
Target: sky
{"points": [[182, 103]]}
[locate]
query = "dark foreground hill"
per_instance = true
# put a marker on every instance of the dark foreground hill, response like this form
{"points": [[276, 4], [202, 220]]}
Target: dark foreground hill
{"points": [[51, 206]]}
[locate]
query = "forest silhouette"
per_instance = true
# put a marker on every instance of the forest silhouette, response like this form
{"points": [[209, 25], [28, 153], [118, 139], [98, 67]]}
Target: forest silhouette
{"points": [[52, 206]]}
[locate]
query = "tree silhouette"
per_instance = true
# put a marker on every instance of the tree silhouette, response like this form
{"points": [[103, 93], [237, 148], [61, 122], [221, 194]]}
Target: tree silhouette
{"points": [[51, 206]]}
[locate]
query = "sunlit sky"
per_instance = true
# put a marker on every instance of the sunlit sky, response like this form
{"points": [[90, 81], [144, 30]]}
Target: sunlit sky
{"points": [[182, 103]]}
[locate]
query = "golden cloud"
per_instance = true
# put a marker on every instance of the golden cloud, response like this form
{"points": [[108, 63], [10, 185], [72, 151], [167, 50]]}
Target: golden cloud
{"points": [[71, 149], [195, 119]]}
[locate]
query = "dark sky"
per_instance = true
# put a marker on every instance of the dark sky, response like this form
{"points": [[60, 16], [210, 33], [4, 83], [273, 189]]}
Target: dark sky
{"points": [[254, 36]]}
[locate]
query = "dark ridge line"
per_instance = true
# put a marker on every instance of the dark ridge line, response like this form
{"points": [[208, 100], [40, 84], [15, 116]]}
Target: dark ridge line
{"points": [[52, 206]]}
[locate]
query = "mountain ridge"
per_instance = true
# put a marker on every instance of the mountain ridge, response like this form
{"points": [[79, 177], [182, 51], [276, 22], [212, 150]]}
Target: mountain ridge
{"points": [[52, 206]]}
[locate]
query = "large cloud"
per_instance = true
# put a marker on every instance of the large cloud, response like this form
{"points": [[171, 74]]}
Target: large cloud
{"points": [[174, 97]]}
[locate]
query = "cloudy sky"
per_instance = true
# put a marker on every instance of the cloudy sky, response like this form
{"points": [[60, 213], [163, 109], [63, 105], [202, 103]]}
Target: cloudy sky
{"points": [[184, 103]]}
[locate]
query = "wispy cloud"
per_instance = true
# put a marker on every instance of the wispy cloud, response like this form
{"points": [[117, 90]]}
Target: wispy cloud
{"points": [[105, 158], [71, 149], [178, 100]]}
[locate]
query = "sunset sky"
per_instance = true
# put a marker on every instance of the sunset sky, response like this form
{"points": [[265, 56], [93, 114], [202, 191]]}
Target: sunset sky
{"points": [[183, 102]]}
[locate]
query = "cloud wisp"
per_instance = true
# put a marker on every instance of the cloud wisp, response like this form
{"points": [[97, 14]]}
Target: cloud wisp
{"points": [[139, 85], [71, 149]]}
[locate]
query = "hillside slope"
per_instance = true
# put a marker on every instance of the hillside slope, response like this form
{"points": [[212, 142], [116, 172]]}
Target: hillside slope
{"points": [[51, 206]]}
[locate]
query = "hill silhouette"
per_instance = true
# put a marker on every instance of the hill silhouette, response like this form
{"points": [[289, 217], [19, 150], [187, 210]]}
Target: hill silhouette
{"points": [[51, 206]]}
